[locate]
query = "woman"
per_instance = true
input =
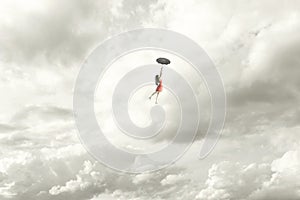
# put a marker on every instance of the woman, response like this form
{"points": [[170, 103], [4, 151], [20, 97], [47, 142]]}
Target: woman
{"points": [[159, 88]]}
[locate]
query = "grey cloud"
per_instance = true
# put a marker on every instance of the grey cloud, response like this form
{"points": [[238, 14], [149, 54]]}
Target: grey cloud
{"points": [[38, 126], [256, 52], [273, 86], [49, 33], [6, 128], [64, 32], [41, 112], [272, 93]]}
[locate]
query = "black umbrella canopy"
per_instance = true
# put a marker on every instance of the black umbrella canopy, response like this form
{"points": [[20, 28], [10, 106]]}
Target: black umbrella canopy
{"points": [[163, 61]]}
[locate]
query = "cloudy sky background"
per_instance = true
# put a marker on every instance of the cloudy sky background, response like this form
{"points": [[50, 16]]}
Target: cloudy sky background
{"points": [[254, 44]]}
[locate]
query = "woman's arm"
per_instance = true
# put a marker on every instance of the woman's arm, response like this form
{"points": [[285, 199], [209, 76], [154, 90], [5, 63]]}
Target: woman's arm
{"points": [[161, 69]]}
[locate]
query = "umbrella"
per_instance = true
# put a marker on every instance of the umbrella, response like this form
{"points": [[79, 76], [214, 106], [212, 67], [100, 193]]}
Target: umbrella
{"points": [[163, 61]]}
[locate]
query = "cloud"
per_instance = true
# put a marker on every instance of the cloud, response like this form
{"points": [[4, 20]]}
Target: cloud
{"points": [[272, 58], [93, 181], [228, 180], [56, 32], [172, 179], [43, 113], [255, 46], [278, 180], [284, 183], [84, 179], [55, 165]]}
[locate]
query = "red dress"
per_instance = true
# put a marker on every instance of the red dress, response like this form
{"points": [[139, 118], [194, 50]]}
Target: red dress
{"points": [[160, 86]]}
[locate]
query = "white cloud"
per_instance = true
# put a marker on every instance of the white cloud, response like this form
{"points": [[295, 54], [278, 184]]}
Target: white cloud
{"points": [[172, 179], [255, 45], [277, 180], [228, 180], [86, 178], [284, 183]]}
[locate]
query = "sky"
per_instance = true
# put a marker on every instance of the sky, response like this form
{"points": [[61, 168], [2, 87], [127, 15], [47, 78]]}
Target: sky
{"points": [[255, 45]]}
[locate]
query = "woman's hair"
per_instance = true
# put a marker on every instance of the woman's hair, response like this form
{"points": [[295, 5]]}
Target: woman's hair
{"points": [[157, 79]]}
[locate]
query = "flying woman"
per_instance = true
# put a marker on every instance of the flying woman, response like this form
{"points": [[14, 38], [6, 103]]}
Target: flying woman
{"points": [[159, 87], [158, 79]]}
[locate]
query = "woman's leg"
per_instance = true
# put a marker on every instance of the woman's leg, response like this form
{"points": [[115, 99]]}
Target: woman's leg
{"points": [[152, 94], [157, 97]]}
